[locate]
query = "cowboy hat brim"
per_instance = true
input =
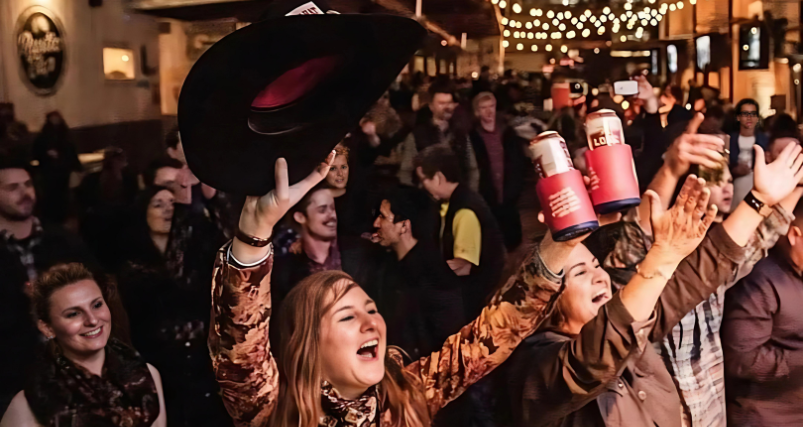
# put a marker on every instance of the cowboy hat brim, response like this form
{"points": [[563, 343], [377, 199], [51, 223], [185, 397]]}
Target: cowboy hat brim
{"points": [[219, 131]]}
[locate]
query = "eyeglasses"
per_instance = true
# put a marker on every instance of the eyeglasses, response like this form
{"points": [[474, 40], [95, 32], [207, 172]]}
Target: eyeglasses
{"points": [[749, 114]]}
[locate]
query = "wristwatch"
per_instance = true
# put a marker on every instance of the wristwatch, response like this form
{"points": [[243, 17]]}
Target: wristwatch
{"points": [[758, 205]]}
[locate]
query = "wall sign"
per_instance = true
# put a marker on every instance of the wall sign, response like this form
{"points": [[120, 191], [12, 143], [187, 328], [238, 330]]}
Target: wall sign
{"points": [[40, 46]]}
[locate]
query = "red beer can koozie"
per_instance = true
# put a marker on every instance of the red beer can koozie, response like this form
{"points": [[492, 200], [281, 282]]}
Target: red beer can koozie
{"points": [[567, 209], [614, 186]]}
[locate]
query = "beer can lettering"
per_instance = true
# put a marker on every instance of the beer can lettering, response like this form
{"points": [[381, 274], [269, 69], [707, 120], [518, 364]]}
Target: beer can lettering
{"points": [[603, 128], [550, 154]]}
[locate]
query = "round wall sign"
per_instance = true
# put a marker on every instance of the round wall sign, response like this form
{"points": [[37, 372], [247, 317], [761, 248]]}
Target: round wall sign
{"points": [[40, 45]]}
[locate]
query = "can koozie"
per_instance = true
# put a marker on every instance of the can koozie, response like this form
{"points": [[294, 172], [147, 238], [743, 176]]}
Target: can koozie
{"points": [[568, 211], [614, 186]]}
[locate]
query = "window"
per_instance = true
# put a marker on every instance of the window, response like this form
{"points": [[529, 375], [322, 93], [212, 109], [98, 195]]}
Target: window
{"points": [[118, 64]]}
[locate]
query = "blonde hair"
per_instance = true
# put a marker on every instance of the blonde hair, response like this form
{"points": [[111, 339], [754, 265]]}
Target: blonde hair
{"points": [[482, 96], [299, 360]]}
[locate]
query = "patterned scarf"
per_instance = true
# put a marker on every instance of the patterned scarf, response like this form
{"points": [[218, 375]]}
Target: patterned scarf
{"points": [[341, 412], [60, 393]]}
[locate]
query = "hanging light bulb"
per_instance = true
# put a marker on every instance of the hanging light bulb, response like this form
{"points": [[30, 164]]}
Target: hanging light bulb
{"points": [[539, 12], [555, 22], [603, 18], [545, 26], [517, 9], [504, 21], [528, 25], [516, 35], [628, 6], [587, 12], [592, 19], [560, 15], [505, 43], [549, 48], [575, 21], [536, 23], [601, 30], [534, 48], [562, 27], [502, 4], [518, 24], [586, 32], [579, 25], [659, 17], [583, 18], [532, 12], [672, 7], [623, 38], [530, 36], [644, 22], [693, 2], [550, 14], [520, 46], [564, 49], [680, 5], [653, 12], [570, 34], [653, 22], [596, 51], [567, 14], [597, 24], [506, 33]]}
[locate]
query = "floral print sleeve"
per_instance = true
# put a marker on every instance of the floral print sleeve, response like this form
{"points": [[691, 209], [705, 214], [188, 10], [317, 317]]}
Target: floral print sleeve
{"points": [[238, 339], [514, 313]]}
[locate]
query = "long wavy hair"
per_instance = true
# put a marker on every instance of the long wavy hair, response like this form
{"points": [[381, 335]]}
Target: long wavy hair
{"points": [[300, 354]]}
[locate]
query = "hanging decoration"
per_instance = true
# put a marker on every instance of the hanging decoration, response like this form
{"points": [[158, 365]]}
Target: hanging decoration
{"points": [[541, 24]]}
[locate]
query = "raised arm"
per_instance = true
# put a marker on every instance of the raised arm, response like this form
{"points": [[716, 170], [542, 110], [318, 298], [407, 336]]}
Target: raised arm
{"points": [[241, 305], [514, 312]]}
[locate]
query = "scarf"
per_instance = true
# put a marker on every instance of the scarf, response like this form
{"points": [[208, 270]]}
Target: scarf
{"points": [[341, 412], [61, 393]]}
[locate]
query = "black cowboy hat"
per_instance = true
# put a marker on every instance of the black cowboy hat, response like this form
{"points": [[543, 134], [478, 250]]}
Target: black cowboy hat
{"points": [[292, 86]]}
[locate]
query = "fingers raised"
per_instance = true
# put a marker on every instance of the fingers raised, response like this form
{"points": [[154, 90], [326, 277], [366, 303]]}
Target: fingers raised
{"points": [[282, 181], [695, 123]]}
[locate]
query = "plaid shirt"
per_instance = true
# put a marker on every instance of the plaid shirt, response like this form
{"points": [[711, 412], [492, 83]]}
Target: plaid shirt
{"points": [[24, 248], [692, 352]]}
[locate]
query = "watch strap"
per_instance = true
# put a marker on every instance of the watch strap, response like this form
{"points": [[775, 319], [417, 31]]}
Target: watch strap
{"points": [[251, 240], [757, 205]]}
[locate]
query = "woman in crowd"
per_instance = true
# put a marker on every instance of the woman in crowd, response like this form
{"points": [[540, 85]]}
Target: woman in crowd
{"points": [[165, 290], [87, 377], [594, 365], [333, 366]]}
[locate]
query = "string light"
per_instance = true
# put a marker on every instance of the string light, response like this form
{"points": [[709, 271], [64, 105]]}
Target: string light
{"points": [[517, 9], [623, 38], [680, 5], [550, 14], [534, 48], [532, 12], [555, 22], [506, 33], [560, 15], [562, 27], [549, 48], [502, 4], [520, 46], [530, 36], [505, 43], [504, 21], [528, 25], [586, 32], [564, 49], [567, 14]]}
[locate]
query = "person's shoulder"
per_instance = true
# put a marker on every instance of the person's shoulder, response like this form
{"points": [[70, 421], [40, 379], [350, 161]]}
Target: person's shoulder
{"points": [[19, 413]]}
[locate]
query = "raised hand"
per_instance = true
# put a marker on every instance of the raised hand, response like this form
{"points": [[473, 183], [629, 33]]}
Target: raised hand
{"points": [[679, 230], [260, 214], [646, 93], [773, 182], [693, 148]]}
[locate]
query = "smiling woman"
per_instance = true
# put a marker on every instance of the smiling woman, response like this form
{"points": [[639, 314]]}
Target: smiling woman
{"points": [[87, 378]]}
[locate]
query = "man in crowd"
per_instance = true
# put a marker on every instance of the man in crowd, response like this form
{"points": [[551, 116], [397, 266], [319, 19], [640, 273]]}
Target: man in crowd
{"points": [[431, 307], [27, 248], [469, 237], [439, 131], [319, 248], [162, 172], [741, 147], [762, 336], [500, 158]]}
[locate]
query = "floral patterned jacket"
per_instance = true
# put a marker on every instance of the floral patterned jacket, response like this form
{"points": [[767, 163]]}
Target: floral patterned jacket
{"points": [[249, 377]]}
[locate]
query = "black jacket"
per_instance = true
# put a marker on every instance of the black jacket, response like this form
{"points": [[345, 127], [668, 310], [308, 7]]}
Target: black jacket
{"points": [[515, 166], [478, 285]]}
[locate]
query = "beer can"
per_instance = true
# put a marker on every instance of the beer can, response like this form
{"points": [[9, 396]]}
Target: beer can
{"points": [[603, 128], [550, 154]]}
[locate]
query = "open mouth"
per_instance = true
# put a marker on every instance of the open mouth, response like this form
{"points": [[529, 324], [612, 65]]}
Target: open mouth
{"points": [[369, 350], [600, 297], [93, 333]]}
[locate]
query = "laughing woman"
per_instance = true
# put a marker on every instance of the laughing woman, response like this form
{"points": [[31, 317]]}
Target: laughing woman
{"points": [[333, 366], [88, 378]]}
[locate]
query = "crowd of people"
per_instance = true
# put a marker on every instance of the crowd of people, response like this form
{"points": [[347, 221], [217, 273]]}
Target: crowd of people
{"points": [[679, 311]]}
